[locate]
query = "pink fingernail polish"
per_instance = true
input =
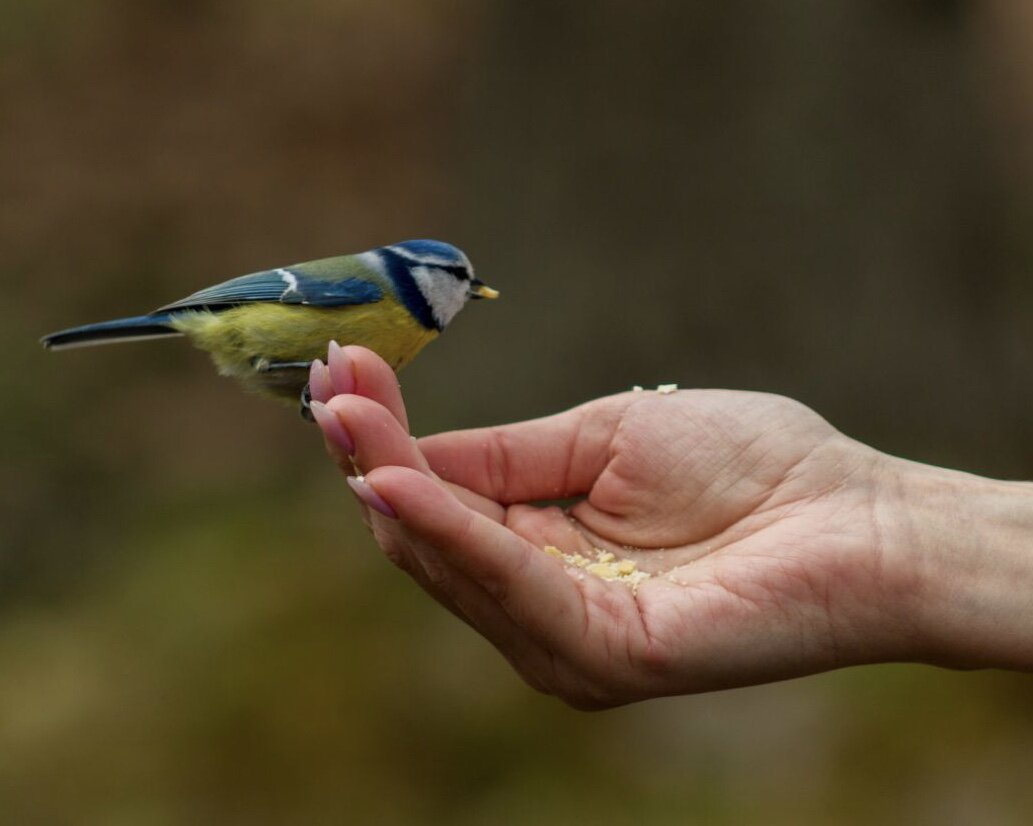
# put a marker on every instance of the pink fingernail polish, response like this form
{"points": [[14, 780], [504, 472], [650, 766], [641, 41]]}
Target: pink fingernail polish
{"points": [[319, 385], [365, 491], [333, 429], [339, 366]]}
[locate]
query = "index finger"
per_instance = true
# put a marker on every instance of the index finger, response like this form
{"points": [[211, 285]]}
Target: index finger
{"points": [[355, 370], [549, 458]]}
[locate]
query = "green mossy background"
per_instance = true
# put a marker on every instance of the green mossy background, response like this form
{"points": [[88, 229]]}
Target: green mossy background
{"points": [[827, 200]]}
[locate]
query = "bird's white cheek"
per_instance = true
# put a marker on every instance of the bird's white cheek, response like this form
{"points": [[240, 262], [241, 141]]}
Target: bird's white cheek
{"points": [[445, 294]]}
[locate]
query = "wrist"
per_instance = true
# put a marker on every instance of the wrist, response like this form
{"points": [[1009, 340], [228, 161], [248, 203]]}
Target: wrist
{"points": [[965, 544]]}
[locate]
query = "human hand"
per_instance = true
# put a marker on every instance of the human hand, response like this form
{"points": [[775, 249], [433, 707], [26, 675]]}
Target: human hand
{"points": [[763, 528]]}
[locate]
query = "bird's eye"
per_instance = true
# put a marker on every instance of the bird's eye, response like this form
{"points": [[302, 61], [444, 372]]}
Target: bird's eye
{"points": [[457, 271]]}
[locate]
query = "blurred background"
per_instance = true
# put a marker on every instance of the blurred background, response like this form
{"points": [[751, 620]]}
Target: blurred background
{"points": [[829, 200]]}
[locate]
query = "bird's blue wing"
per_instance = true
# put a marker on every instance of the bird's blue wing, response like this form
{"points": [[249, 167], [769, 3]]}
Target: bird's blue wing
{"points": [[286, 285]]}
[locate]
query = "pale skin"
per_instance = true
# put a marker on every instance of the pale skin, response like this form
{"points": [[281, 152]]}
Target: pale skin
{"points": [[777, 546]]}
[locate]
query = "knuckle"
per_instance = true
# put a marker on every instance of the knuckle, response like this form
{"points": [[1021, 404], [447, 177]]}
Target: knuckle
{"points": [[533, 679], [397, 552], [437, 574], [583, 691], [654, 660], [398, 557], [498, 461], [496, 588], [586, 701]]}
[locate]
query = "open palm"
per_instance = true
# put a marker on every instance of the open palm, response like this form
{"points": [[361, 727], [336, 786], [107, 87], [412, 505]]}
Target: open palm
{"points": [[756, 520]]}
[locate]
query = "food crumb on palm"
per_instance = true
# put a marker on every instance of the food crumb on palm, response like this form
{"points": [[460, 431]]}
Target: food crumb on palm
{"points": [[605, 565]]}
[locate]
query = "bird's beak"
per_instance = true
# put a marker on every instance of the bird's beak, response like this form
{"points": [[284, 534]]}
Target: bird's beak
{"points": [[478, 289]]}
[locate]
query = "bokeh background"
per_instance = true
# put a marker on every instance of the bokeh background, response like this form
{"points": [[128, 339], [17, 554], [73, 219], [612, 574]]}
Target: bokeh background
{"points": [[830, 200]]}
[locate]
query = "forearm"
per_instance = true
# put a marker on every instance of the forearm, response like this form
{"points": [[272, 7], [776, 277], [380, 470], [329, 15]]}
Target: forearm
{"points": [[968, 542]]}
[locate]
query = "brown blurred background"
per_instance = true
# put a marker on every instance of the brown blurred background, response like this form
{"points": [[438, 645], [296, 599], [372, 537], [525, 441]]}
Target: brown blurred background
{"points": [[827, 200]]}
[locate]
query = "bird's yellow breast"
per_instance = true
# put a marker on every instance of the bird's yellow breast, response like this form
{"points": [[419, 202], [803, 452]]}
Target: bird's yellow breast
{"points": [[243, 339]]}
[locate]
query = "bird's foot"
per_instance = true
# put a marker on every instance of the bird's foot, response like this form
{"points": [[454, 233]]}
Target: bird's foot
{"points": [[306, 404], [286, 380]]}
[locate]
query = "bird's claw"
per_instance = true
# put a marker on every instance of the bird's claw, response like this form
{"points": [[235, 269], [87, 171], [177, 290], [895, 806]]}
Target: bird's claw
{"points": [[306, 404]]}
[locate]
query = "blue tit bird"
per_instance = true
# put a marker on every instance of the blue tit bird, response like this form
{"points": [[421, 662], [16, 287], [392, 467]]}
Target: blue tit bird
{"points": [[265, 329]]}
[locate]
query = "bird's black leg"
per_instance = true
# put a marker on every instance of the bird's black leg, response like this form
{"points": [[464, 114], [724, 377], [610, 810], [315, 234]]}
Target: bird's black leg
{"points": [[262, 365], [266, 366]]}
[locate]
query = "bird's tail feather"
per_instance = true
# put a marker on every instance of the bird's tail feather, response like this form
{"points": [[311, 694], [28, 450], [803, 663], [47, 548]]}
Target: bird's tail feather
{"points": [[106, 332]]}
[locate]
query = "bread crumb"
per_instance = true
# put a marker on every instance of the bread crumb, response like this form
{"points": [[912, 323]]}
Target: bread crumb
{"points": [[605, 566], [638, 388], [665, 389]]}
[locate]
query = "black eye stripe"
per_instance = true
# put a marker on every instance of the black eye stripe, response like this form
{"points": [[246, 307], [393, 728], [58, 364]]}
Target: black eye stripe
{"points": [[458, 271]]}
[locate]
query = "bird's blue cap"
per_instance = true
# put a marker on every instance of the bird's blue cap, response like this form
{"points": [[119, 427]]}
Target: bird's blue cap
{"points": [[427, 248]]}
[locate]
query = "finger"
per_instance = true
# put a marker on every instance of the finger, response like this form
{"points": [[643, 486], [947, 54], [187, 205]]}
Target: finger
{"points": [[468, 602], [375, 438], [549, 458], [319, 384], [374, 379], [450, 588], [531, 587], [338, 441], [339, 369], [471, 604]]}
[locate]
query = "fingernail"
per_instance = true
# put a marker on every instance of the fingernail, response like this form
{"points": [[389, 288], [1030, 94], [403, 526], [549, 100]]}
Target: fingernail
{"points": [[333, 429], [319, 382], [364, 490], [339, 366]]}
